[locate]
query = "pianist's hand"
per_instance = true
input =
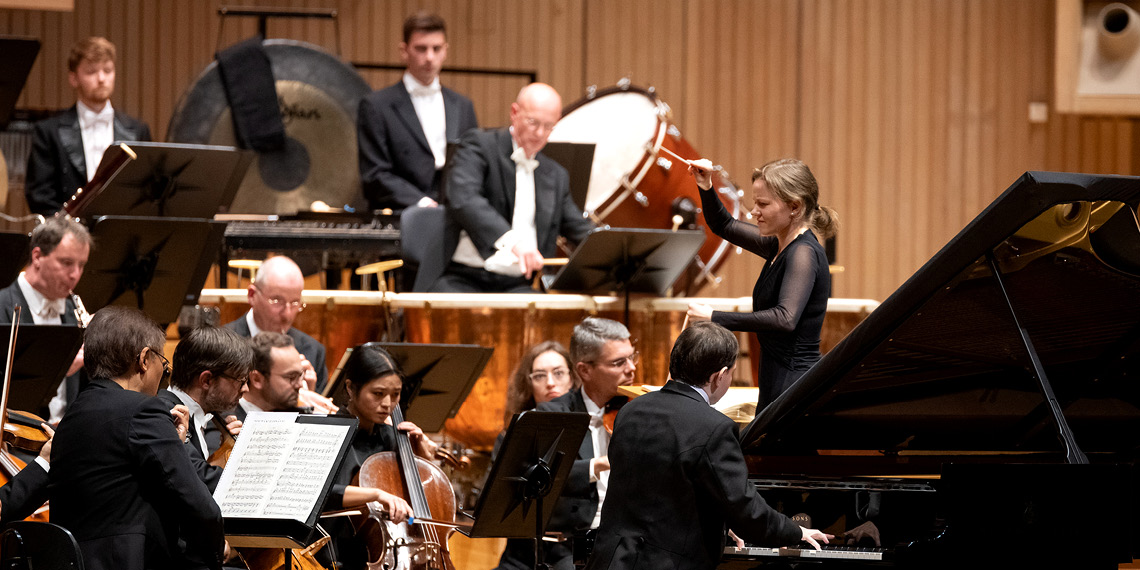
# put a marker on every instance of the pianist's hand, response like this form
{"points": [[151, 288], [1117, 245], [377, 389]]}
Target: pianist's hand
{"points": [[814, 537], [864, 532]]}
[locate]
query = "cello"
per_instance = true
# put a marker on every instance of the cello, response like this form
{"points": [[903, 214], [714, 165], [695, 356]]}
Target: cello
{"points": [[413, 545]]}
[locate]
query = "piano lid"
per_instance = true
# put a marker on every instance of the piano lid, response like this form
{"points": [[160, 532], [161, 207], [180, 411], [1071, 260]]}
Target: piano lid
{"points": [[940, 364]]}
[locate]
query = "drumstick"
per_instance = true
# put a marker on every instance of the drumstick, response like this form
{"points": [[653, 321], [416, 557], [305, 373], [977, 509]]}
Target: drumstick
{"points": [[687, 161]]}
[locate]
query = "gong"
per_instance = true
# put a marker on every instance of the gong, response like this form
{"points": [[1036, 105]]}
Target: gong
{"points": [[318, 95]]}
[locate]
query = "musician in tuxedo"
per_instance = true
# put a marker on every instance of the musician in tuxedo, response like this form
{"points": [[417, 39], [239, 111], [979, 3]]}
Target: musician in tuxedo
{"points": [[274, 302], [277, 376], [121, 480], [403, 130], [507, 203], [678, 478], [603, 358], [67, 148], [59, 250], [211, 371]]}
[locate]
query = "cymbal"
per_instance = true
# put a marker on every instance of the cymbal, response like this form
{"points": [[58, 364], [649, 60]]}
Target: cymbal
{"points": [[318, 96]]}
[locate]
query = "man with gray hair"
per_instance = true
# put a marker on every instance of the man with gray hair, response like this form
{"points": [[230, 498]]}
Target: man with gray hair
{"points": [[603, 358], [59, 249]]}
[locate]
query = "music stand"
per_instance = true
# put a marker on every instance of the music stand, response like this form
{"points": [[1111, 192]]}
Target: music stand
{"points": [[627, 261], [169, 179], [19, 56], [533, 463], [43, 355], [437, 379], [154, 264], [578, 160], [14, 252]]}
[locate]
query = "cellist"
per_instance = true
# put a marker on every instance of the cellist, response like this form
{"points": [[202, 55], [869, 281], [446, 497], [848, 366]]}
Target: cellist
{"points": [[374, 384]]}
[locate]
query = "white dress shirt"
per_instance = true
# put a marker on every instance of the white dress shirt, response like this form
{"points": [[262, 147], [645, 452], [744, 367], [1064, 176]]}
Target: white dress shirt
{"points": [[199, 415], [98, 132], [428, 102], [601, 440], [46, 312], [523, 231]]}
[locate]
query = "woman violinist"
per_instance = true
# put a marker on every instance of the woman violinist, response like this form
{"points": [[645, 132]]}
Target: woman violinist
{"points": [[374, 384], [790, 297], [542, 375]]}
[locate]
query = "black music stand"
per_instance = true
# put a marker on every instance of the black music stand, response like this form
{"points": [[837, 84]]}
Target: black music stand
{"points": [[627, 261], [533, 463], [19, 56], [154, 264], [578, 160], [14, 252], [169, 179], [43, 355], [437, 379]]}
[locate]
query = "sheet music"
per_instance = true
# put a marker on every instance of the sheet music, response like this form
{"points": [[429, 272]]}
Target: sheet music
{"points": [[278, 467]]}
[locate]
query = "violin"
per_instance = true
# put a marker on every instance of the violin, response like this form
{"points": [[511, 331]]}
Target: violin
{"points": [[612, 408], [22, 436], [408, 546]]}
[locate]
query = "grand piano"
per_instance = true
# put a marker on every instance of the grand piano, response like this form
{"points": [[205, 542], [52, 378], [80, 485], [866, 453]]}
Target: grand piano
{"points": [[988, 412]]}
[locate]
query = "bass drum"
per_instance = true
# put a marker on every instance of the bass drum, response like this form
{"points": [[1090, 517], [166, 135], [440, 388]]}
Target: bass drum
{"points": [[318, 95], [634, 183]]}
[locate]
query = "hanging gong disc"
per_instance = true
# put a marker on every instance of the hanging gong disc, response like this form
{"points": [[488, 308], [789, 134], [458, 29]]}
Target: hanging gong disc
{"points": [[318, 95]]}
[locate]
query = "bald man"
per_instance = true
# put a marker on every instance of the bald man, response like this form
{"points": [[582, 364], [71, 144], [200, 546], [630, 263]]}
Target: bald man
{"points": [[507, 202], [274, 301]]}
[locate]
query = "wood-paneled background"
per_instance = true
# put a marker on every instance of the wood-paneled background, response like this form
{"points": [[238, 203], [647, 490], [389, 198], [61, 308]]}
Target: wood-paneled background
{"points": [[912, 113]]}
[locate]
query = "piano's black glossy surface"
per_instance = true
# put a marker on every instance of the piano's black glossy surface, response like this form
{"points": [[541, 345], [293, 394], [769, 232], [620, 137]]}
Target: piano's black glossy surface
{"points": [[941, 372]]}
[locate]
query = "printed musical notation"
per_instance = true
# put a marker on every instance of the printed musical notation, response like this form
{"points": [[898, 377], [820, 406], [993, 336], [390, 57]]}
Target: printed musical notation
{"points": [[278, 467]]}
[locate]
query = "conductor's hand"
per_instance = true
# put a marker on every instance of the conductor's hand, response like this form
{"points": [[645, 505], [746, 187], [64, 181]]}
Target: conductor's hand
{"points": [[814, 537], [423, 445], [397, 508], [181, 416], [701, 169], [45, 451], [530, 260], [700, 312]]}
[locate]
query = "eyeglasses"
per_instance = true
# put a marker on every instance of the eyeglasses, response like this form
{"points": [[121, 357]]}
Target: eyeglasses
{"points": [[621, 362], [536, 124], [543, 376], [165, 364], [279, 302], [240, 381]]}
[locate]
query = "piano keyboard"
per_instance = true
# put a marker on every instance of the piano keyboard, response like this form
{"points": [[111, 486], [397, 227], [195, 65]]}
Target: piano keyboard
{"points": [[829, 552]]}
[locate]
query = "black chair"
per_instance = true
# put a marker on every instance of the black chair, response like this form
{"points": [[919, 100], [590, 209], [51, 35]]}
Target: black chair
{"points": [[427, 242], [30, 545]]}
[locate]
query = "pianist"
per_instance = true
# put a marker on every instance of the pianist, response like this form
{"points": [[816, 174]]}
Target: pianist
{"points": [[678, 477]]}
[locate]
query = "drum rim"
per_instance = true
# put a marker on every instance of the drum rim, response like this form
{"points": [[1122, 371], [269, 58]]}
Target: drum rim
{"points": [[619, 88]]}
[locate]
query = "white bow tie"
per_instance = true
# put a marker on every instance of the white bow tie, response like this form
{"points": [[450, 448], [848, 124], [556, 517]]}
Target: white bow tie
{"points": [[103, 117], [53, 309], [425, 90], [598, 419], [521, 159]]}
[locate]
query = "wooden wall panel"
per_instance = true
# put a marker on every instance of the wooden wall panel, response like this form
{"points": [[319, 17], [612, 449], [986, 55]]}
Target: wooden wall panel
{"points": [[913, 115]]}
